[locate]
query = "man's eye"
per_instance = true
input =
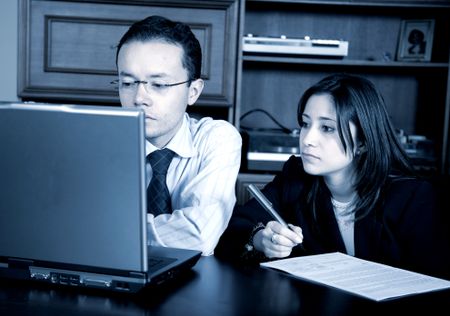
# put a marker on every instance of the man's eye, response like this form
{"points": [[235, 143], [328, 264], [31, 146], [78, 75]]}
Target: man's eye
{"points": [[126, 84], [158, 85]]}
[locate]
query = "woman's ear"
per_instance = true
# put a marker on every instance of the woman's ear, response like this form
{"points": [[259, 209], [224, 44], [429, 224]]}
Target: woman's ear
{"points": [[361, 149]]}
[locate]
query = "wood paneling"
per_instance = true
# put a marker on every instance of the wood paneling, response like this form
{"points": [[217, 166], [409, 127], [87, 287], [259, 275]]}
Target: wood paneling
{"points": [[67, 48]]}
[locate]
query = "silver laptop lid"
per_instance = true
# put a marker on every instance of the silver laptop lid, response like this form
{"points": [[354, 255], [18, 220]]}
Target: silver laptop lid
{"points": [[72, 185]]}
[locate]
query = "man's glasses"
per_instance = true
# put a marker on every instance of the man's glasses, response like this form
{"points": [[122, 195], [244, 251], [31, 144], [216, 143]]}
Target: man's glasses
{"points": [[128, 86]]}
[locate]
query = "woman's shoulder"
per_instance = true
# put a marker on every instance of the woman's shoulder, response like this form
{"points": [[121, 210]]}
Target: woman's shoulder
{"points": [[293, 166], [292, 171], [292, 179], [408, 182], [409, 186]]}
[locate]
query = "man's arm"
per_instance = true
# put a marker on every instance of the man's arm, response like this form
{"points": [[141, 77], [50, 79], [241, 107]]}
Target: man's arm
{"points": [[203, 201]]}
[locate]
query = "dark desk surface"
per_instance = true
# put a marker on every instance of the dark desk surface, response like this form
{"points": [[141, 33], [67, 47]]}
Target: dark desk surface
{"points": [[212, 288]]}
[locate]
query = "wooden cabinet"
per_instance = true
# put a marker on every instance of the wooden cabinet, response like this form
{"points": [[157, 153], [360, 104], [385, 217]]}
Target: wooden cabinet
{"points": [[67, 48], [416, 93]]}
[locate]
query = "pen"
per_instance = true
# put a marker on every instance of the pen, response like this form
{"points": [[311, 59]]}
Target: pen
{"points": [[259, 196]]}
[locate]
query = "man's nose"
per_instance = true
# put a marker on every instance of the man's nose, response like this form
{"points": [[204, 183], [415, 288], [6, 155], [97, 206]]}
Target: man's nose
{"points": [[141, 95]]}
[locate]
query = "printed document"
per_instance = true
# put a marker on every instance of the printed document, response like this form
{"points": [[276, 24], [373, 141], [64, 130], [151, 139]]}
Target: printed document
{"points": [[365, 278]]}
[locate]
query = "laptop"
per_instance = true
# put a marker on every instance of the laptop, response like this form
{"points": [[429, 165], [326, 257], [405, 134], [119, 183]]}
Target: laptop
{"points": [[73, 199]]}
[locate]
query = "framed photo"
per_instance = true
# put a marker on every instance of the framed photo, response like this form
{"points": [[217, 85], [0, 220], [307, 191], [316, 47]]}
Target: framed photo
{"points": [[416, 40]]}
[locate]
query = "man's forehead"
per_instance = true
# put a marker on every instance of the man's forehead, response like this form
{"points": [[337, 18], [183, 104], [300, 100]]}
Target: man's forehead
{"points": [[155, 58], [154, 44]]}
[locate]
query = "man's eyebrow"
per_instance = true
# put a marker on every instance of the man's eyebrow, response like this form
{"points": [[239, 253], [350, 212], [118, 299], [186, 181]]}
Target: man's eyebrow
{"points": [[152, 76], [125, 74], [160, 75]]}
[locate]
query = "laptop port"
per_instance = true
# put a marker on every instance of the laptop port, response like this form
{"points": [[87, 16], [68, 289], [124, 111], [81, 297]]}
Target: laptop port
{"points": [[65, 279], [40, 276], [122, 286], [97, 282], [74, 280]]}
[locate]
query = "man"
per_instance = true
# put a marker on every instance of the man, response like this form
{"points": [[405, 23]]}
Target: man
{"points": [[159, 66]]}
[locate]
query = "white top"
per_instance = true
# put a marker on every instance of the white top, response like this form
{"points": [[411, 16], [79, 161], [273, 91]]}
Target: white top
{"points": [[346, 223], [201, 180]]}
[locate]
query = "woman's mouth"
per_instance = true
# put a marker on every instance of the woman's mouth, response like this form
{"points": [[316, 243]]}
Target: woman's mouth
{"points": [[309, 156]]}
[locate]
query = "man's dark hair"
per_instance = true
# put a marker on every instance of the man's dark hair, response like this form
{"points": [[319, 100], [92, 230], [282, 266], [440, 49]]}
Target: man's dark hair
{"points": [[159, 28]]}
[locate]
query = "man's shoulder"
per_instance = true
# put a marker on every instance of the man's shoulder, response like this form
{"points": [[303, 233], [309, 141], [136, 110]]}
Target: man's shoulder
{"points": [[209, 127]]}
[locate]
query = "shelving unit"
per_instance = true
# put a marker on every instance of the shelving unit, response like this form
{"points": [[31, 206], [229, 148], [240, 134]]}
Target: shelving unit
{"points": [[417, 93], [57, 68]]}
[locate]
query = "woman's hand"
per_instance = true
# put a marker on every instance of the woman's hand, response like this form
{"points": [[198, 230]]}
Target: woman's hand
{"points": [[276, 240]]}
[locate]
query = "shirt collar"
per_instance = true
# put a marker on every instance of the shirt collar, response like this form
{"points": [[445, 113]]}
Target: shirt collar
{"points": [[181, 143]]}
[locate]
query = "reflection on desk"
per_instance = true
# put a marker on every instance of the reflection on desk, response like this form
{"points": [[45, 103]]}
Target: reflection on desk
{"points": [[211, 288]]}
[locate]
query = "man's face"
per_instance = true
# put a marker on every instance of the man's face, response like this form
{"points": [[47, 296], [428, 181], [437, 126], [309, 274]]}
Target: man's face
{"points": [[157, 63]]}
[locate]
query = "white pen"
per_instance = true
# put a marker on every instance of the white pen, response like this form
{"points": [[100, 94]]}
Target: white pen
{"points": [[259, 196]]}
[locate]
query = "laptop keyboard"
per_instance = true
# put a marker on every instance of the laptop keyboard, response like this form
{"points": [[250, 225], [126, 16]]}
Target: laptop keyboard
{"points": [[155, 263]]}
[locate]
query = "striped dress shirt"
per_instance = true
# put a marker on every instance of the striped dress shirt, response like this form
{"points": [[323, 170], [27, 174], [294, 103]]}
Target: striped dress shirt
{"points": [[201, 180]]}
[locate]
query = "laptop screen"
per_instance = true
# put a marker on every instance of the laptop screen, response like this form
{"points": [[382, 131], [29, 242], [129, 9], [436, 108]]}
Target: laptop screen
{"points": [[72, 185]]}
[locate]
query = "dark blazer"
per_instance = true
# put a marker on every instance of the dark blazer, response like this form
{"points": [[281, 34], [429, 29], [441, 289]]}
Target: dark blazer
{"points": [[404, 230]]}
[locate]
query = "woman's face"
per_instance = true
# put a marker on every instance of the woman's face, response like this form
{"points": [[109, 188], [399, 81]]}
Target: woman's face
{"points": [[321, 149]]}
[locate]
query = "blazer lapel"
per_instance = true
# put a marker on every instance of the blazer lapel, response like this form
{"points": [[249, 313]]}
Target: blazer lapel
{"points": [[368, 236], [327, 220]]}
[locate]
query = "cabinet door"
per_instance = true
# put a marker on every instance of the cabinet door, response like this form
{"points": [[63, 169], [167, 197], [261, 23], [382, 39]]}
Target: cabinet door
{"points": [[67, 48]]}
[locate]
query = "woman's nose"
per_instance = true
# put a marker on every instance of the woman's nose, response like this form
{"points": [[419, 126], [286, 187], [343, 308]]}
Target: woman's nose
{"points": [[307, 137]]}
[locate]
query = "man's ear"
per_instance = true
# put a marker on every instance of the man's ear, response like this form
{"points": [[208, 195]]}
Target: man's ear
{"points": [[195, 89]]}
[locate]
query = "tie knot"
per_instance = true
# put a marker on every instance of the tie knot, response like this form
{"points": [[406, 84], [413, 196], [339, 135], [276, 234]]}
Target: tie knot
{"points": [[160, 160]]}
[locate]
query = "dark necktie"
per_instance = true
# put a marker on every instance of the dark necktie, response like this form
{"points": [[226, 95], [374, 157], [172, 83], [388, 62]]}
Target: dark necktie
{"points": [[158, 197]]}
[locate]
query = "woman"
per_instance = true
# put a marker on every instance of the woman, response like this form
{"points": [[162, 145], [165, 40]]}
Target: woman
{"points": [[351, 190]]}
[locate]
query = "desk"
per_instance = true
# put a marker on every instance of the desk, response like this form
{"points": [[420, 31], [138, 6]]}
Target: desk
{"points": [[211, 288]]}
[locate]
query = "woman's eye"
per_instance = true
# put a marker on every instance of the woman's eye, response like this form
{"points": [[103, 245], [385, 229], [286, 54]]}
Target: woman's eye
{"points": [[328, 129], [303, 124]]}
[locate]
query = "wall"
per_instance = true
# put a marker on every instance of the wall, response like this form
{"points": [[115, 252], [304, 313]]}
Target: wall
{"points": [[8, 50]]}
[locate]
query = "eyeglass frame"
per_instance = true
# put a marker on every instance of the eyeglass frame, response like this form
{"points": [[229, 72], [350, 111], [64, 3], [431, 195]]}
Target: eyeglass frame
{"points": [[145, 82]]}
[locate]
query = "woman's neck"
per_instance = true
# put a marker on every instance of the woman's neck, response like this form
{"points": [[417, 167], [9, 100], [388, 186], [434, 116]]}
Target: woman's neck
{"points": [[341, 190]]}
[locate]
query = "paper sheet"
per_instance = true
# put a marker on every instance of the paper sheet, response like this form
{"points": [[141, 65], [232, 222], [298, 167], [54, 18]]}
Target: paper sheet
{"points": [[365, 278]]}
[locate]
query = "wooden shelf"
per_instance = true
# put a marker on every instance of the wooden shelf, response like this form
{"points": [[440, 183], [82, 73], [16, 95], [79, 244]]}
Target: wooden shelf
{"points": [[343, 62], [364, 3]]}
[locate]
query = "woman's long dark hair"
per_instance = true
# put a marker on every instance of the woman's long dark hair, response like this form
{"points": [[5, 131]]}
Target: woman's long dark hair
{"points": [[378, 151]]}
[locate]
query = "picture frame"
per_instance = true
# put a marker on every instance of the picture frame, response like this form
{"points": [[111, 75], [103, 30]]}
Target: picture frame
{"points": [[416, 40]]}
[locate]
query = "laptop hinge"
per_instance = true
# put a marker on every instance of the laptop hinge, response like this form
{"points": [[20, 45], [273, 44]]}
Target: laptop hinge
{"points": [[139, 275]]}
